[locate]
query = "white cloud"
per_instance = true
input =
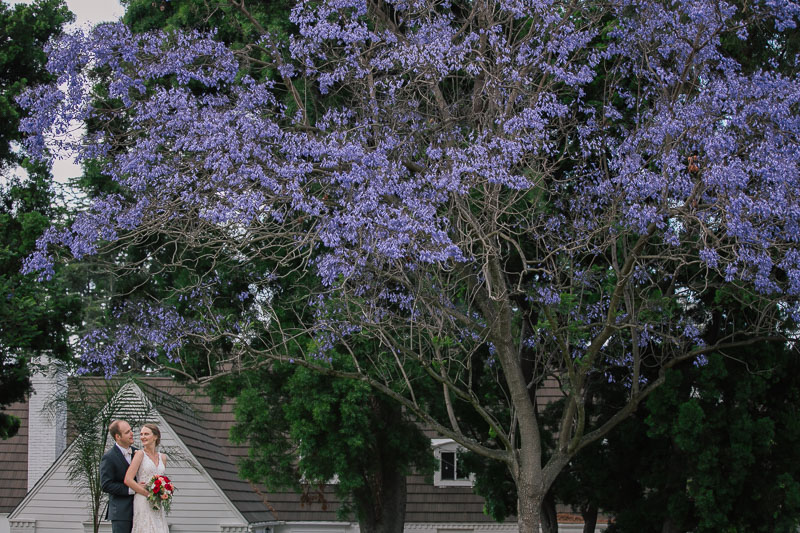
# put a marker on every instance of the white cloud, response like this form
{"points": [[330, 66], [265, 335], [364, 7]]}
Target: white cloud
{"points": [[94, 11], [88, 11]]}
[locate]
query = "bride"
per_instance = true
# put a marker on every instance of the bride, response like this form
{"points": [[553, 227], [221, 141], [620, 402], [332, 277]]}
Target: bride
{"points": [[146, 463]]}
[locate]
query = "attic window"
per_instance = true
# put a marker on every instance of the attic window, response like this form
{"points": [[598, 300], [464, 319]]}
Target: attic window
{"points": [[449, 468], [449, 472]]}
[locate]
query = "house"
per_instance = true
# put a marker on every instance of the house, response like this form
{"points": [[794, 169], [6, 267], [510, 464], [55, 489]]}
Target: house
{"points": [[37, 496]]}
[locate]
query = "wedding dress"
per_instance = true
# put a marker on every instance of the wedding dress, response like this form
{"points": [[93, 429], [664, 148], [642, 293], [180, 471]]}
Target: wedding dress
{"points": [[145, 518]]}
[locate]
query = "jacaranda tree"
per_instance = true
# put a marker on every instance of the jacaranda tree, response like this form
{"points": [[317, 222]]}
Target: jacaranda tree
{"points": [[507, 190]]}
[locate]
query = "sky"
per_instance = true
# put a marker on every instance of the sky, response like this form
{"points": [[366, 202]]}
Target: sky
{"points": [[87, 12]]}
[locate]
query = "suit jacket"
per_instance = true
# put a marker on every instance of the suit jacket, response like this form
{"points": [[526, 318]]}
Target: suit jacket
{"points": [[113, 467]]}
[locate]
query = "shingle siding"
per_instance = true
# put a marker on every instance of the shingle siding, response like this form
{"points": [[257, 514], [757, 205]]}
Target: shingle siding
{"points": [[14, 461]]}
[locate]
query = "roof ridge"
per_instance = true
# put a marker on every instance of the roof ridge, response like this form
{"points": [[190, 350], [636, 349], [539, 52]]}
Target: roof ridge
{"points": [[160, 398]]}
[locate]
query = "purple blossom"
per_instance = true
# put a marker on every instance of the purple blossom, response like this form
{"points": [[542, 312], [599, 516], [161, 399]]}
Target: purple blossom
{"points": [[548, 296], [709, 256], [149, 331]]}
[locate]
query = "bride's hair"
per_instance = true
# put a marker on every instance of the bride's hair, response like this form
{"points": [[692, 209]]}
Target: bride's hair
{"points": [[154, 429]]}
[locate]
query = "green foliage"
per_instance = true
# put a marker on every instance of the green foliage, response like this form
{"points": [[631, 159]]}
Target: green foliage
{"points": [[714, 449], [34, 317], [300, 424], [232, 26], [733, 426], [9, 424], [494, 484]]}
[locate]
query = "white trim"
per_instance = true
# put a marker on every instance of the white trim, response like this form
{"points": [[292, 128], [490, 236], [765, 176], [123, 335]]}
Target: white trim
{"points": [[105, 527], [22, 526], [448, 445], [309, 526], [226, 528]]}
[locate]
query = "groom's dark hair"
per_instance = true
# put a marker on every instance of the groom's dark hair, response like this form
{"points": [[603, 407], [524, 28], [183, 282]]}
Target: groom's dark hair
{"points": [[113, 429]]}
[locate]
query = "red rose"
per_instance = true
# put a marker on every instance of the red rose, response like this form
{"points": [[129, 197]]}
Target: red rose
{"points": [[168, 486]]}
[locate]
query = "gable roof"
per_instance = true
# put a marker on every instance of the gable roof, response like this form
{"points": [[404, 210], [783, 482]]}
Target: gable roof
{"points": [[203, 429], [45, 502]]}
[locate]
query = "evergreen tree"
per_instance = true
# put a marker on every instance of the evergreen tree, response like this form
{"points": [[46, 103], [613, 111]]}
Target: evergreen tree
{"points": [[35, 318], [721, 448], [327, 431]]}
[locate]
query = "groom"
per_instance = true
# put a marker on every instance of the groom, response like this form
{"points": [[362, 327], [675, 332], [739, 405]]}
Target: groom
{"points": [[113, 466]]}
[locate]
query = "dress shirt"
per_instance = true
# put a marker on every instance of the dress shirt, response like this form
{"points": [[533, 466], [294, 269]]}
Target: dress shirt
{"points": [[126, 452]]}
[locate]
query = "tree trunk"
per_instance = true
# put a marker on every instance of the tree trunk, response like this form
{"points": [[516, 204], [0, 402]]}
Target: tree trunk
{"points": [[96, 502], [382, 504], [549, 517], [529, 505], [589, 514], [670, 527]]}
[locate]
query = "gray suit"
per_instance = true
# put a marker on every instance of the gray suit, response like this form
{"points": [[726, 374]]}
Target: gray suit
{"points": [[113, 467]]}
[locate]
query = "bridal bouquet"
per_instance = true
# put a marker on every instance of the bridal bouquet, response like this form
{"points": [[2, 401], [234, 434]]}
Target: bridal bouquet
{"points": [[159, 492]]}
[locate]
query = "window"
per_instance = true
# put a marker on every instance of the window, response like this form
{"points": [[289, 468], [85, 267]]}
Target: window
{"points": [[449, 468], [449, 472]]}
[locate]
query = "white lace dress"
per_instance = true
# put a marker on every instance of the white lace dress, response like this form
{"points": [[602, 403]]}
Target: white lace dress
{"points": [[145, 518]]}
